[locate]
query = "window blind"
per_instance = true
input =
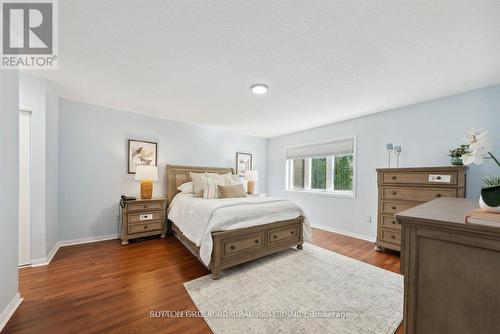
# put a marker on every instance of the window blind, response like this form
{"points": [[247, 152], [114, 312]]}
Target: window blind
{"points": [[338, 147]]}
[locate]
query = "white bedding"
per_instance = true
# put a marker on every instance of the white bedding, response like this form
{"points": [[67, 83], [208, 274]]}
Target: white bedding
{"points": [[197, 218]]}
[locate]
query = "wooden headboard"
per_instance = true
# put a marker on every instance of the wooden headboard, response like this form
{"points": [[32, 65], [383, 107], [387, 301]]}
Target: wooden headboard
{"points": [[177, 175]]}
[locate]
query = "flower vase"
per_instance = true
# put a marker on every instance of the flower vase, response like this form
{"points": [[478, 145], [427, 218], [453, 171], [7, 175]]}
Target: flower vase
{"points": [[490, 199], [456, 161]]}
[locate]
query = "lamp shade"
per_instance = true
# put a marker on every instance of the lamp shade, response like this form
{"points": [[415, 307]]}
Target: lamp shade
{"points": [[146, 173], [251, 175]]}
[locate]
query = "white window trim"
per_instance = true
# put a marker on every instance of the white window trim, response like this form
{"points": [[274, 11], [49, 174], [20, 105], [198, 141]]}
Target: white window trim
{"points": [[307, 182]]}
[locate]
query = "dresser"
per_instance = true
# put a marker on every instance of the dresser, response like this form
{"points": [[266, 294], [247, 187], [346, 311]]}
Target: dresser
{"points": [[451, 270], [403, 188], [143, 218]]}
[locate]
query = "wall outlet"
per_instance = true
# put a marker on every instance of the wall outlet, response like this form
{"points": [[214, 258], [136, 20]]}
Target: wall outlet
{"points": [[368, 220]]}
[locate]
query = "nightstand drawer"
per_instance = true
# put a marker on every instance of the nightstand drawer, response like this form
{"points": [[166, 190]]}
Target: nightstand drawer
{"points": [[144, 206], [139, 228], [144, 217]]}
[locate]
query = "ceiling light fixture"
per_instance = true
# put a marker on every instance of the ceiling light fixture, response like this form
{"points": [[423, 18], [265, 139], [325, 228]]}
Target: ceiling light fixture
{"points": [[259, 89]]}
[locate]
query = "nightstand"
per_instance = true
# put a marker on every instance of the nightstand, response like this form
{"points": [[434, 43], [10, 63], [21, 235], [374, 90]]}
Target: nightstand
{"points": [[143, 218]]}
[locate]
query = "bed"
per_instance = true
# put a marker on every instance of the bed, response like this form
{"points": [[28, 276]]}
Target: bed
{"points": [[231, 231]]}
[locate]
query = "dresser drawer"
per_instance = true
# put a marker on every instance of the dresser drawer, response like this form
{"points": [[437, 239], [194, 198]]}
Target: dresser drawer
{"points": [[389, 221], [288, 234], [417, 194], [393, 237], [436, 178], [144, 217], [150, 206], [394, 207], [237, 246], [139, 228]]}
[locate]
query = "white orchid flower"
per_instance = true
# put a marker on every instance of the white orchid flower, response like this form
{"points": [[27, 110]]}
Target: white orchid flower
{"points": [[470, 158], [475, 135], [479, 146]]}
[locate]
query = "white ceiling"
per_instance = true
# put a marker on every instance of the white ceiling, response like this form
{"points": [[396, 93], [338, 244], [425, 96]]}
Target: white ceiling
{"points": [[324, 61]]}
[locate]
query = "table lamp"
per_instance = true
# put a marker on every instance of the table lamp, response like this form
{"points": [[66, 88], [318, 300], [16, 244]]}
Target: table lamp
{"points": [[146, 174], [251, 176]]}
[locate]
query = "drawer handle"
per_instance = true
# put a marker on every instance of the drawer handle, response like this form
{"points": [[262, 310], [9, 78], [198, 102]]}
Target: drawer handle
{"points": [[145, 227], [394, 178], [394, 193], [438, 195], [275, 236], [291, 232], [394, 222], [393, 236], [256, 241], [394, 208], [232, 247]]}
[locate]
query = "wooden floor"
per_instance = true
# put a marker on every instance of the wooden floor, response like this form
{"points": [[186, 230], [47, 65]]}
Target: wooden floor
{"points": [[108, 288]]}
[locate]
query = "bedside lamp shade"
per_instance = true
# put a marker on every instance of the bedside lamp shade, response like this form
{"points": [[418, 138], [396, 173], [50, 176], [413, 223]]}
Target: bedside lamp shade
{"points": [[251, 176], [146, 174]]}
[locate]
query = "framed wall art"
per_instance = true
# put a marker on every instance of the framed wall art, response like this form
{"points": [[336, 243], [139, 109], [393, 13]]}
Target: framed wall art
{"points": [[141, 153], [243, 163]]}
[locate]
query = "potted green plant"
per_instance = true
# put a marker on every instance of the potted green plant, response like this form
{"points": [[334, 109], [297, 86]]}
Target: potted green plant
{"points": [[480, 149], [457, 153]]}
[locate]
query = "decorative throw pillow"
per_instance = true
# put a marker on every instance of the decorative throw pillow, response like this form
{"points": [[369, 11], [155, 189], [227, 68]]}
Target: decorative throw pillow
{"points": [[234, 191], [197, 183], [186, 188], [210, 190]]}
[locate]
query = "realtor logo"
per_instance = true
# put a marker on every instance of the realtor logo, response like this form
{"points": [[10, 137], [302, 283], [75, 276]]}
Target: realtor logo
{"points": [[29, 38]]}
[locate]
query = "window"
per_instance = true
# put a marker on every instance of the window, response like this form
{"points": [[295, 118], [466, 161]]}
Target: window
{"points": [[325, 168]]}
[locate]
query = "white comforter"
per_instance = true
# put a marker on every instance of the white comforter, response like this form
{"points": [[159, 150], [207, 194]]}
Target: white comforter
{"points": [[197, 218]]}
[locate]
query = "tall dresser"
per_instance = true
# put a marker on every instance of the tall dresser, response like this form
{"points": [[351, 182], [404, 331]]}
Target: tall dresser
{"points": [[403, 188]]}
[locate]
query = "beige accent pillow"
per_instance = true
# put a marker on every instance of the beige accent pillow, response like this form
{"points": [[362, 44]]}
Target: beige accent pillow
{"points": [[234, 191], [197, 183]]}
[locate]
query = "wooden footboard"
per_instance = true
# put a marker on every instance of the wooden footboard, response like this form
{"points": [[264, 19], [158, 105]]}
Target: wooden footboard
{"points": [[234, 247]]}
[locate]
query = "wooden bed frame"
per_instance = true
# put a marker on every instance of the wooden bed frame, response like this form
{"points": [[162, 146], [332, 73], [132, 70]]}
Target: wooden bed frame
{"points": [[233, 247]]}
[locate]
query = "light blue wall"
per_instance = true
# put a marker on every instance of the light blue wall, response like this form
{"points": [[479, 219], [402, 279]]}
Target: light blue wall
{"points": [[93, 160], [9, 185], [426, 131]]}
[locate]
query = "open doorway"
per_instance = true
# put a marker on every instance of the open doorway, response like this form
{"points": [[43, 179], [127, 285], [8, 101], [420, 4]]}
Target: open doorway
{"points": [[24, 187]]}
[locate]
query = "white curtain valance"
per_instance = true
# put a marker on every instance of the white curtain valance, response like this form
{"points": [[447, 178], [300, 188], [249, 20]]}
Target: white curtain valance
{"points": [[340, 147]]}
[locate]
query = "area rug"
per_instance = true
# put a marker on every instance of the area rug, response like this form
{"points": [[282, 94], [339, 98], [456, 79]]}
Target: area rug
{"points": [[301, 291]]}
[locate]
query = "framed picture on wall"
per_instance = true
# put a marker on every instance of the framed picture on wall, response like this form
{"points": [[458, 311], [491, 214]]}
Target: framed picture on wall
{"points": [[141, 153], [243, 162]]}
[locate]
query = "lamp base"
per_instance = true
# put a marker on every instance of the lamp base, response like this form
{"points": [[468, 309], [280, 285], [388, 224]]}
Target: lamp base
{"points": [[146, 189], [250, 187]]}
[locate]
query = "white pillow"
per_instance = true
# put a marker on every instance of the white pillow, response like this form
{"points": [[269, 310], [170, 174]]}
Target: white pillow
{"points": [[225, 179], [197, 183], [186, 188]]}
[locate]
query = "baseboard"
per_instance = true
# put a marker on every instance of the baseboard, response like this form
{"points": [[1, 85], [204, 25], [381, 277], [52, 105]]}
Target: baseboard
{"points": [[46, 260], [9, 310], [349, 234]]}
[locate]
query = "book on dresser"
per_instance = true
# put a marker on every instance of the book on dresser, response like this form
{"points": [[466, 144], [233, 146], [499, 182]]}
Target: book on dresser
{"points": [[478, 216], [403, 188]]}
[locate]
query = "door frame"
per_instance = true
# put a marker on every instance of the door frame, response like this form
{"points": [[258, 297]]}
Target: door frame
{"points": [[28, 111]]}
